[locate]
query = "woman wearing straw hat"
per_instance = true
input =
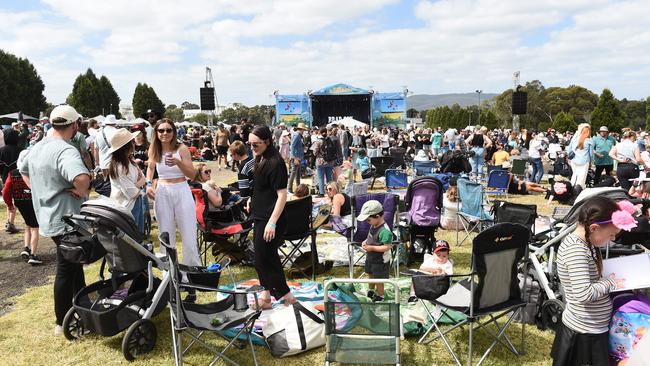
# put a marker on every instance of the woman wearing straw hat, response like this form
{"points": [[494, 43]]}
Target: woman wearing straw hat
{"points": [[126, 178]]}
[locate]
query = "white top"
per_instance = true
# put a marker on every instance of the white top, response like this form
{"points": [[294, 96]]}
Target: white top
{"points": [[449, 209], [104, 145], [533, 150], [169, 172], [123, 189], [625, 150], [430, 263], [645, 156]]}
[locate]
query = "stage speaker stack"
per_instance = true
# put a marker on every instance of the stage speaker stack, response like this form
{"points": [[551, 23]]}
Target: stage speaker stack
{"points": [[519, 102], [207, 99]]}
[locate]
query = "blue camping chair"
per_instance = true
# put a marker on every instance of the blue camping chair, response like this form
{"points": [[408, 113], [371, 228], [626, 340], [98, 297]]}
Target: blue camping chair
{"points": [[497, 183], [358, 232], [471, 213], [396, 178], [424, 167]]}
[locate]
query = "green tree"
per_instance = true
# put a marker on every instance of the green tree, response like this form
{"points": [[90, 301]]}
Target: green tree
{"points": [[145, 98], [411, 113], [110, 99], [201, 118], [647, 112], [564, 122], [607, 112], [21, 88], [188, 105], [174, 113], [87, 96], [635, 112]]}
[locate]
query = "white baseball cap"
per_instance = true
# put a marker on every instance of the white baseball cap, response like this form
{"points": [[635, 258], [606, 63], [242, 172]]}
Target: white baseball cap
{"points": [[63, 115], [110, 120]]}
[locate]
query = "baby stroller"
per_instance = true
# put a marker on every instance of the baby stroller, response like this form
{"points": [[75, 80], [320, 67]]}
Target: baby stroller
{"points": [[224, 231], [544, 246], [423, 203], [455, 162], [132, 296]]}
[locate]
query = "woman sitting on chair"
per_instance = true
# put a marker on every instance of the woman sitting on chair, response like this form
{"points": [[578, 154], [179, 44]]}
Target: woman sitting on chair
{"points": [[203, 177]]}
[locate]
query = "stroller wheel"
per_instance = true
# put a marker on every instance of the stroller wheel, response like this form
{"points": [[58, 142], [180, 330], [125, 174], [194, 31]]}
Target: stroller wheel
{"points": [[552, 313], [139, 339], [73, 326]]}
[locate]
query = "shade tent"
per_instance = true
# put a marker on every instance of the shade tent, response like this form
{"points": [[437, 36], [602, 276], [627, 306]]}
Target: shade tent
{"points": [[348, 122], [16, 116]]}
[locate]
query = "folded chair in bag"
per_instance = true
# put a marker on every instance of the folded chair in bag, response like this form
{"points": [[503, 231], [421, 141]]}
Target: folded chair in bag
{"points": [[381, 164], [497, 183], [299, 230], [195, 320], [490, 293], [358, 232], [471, 213]]}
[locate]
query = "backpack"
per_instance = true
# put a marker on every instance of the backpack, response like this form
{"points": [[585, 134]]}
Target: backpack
{"points": [[328, 150]]}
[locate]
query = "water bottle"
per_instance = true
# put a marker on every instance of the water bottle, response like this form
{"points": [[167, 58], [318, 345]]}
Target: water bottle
{"points": [[214, 267]]}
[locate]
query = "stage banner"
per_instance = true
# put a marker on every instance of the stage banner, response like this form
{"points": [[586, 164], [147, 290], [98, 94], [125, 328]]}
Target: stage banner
{"points": [[392, 105], [290, 108]]}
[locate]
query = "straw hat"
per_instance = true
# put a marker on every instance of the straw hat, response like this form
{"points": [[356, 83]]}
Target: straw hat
{"points": [[301, 126], [121, 138]]}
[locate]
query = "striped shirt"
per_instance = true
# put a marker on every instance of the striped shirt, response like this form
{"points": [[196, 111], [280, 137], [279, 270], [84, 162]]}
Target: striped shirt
{"points": [[588, 306], [245, 177]]}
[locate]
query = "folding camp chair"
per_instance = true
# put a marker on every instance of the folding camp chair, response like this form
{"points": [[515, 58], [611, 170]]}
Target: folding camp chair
{"points": [[358, 232], [381, 164], [300, 229], [516, 213], [198, 319], [426, 167], [396, 178], [471, 214], [518, 168], [491, 290], [497, 183], [398, 153]]}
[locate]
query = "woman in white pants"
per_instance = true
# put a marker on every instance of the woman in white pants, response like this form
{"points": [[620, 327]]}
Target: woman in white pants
{"points": [[174, 202], [581, 147]]}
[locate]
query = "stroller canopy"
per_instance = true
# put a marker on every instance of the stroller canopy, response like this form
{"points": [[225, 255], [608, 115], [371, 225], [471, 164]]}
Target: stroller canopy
{"points": [[615, 193], [423, 201], [112, 214]]}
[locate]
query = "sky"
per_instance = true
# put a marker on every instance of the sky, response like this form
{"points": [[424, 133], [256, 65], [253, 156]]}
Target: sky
{"points": [[255, 47]]}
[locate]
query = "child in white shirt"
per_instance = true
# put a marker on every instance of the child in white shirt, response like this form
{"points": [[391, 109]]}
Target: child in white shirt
{"points": [[437, 264]]}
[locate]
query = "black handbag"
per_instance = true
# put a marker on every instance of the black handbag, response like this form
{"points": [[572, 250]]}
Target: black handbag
{"points": [[81, 249], [430, 287], [102, 186]]}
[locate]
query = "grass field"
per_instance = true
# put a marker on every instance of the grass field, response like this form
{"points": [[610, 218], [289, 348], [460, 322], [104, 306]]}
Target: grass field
{"points": [[26, 336]]}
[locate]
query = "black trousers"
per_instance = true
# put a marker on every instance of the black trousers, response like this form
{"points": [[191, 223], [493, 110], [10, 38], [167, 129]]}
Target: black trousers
{"points": [[68, 281], [599, 171], [267, 260], [294, 175], [625, 172]]}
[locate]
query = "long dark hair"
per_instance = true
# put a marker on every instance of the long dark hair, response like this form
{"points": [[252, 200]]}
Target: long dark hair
{"points": [[120, 157], [270, 157], [596, 209]]}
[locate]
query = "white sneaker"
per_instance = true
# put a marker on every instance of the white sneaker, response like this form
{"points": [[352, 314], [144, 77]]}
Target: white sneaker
{"points": [[58, 330]]}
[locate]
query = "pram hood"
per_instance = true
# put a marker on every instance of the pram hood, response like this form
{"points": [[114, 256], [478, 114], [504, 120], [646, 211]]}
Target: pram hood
{"points": [[112, 214], [615, 193], [423, 201]]}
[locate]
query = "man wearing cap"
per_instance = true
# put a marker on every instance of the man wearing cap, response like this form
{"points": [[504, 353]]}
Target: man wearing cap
{"points": [[603, 143], [297, 153], [59, 182]]}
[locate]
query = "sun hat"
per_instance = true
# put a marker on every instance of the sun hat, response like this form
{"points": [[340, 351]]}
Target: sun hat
{"points": [[370, 208], [110, 120], [285, 133], [63, 115], [301, 126], [603, 129], [121, 137]]}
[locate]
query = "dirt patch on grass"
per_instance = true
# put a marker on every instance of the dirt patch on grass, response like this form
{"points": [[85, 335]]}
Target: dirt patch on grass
{"points": [[16, 275]]}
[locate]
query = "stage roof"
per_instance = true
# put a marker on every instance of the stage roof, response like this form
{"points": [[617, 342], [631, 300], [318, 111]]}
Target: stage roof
{"points": [[340, 89]]}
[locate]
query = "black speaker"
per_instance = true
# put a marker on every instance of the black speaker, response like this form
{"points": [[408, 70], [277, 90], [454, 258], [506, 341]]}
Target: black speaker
{"points": [[519, 102], [207, 99]]}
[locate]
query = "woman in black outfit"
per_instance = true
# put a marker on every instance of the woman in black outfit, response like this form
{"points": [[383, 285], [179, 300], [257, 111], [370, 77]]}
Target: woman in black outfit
{"points": [[267, 210]]}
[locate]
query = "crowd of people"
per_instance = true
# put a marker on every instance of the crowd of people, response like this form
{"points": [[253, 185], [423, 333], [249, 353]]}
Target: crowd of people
{"points": [[49, 168]]}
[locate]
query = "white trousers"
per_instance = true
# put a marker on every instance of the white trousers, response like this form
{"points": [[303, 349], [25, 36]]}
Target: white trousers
{"points": [[579, 176], [175, 209]]}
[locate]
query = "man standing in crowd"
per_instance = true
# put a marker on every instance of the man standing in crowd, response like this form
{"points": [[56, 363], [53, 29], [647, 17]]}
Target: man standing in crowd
{"points": [[102, 144], [603, 142], [222, 146], [297, 153], [59, 182]]}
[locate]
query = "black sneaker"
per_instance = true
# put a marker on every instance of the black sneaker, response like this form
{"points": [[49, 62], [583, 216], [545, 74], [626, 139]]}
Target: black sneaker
{"points": [[377, 298], [34, 260], [412, 299], [11, 228], [25, 253], [371, 294], [190, 298]]}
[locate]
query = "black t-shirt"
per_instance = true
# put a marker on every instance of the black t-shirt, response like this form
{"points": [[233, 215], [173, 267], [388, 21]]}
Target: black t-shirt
{"points": [[140, 152], [273, 177]]}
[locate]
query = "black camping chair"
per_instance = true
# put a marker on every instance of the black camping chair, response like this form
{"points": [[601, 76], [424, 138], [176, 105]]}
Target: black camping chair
{"points": [[300, 229], [381, 164], [398, 153], [491, 290], [195, 320], [516, 213]]}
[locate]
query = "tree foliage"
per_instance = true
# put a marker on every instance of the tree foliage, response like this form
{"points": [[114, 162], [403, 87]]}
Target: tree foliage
{"points": [[110, 99], [145, 98], [259, 114], [608, 113], [201, 118], [188, 105], [21, 88], [647, 112], [635, 113], [92, 96], [174, 113], [564, 122]]}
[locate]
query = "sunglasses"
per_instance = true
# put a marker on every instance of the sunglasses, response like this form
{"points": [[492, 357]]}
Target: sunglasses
{"points": [[207, 171], [255, 145], [165, 130]]}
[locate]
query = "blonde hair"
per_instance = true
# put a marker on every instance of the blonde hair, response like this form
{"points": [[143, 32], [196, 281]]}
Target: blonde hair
{"points": [[581, 135], [197, 174], [452, 193]]}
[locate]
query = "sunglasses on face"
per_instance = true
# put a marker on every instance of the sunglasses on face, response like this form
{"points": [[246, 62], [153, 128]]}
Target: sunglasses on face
{"points": [[255, 145], [165, 130], [207, 171]]}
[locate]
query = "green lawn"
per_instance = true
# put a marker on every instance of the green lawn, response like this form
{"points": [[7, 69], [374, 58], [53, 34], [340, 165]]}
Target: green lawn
{"points": [[26, 336]]}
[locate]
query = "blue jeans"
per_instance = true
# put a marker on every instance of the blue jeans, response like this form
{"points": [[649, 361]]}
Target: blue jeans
{"points": [[138, 213], [477, 160], [538, 170], [323, 172]]}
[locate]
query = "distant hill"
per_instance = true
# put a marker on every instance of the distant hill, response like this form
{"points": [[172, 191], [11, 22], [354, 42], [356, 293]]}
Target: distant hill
{"points": [[426, 101]]}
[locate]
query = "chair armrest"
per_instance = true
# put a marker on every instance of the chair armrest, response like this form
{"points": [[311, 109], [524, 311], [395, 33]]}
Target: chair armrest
{"points": [[215, 289]]}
